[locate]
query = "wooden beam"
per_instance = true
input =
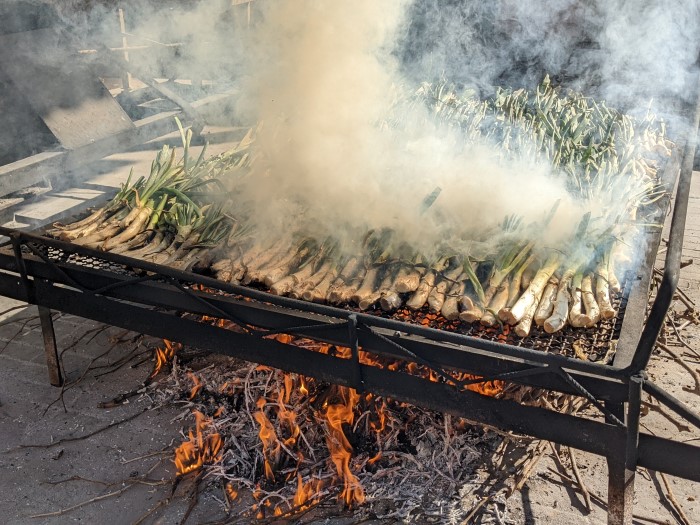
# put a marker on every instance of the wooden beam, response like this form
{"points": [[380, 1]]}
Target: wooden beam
{"points": [[41, 167]]}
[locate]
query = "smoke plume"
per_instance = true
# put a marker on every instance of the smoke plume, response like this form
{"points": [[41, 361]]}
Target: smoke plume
{"points": [[326, 78], [323, 78]]}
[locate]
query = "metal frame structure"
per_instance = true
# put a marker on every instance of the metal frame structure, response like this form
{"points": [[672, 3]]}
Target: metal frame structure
{"points": [[151, 299]]}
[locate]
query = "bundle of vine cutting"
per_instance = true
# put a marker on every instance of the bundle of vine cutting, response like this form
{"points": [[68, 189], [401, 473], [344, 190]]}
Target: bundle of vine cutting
{"points": [[173, 217]]}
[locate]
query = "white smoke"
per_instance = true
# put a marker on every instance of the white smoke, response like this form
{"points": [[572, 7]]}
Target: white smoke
{"points": [[321, 76]]}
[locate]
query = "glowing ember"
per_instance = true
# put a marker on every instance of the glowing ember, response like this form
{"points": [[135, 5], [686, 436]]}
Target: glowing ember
{"points": [[204, 447]]}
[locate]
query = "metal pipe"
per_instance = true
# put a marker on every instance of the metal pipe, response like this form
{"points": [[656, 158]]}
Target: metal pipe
{"points": [[669, 281], [671, 402]]}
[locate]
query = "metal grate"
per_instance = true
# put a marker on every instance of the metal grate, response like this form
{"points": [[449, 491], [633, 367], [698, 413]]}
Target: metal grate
{"points": [[61, 256], [596, 342]]}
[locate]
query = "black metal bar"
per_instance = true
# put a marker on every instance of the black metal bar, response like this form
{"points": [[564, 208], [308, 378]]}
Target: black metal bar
{"points": [[620, 492], [671, 402], [633, 413], [52, 360], [572, 431], [672, 267], [355, 350], [609, 416], [53, 364], [617, 470], [622, 468], [637, 287], [15, 238], [490, 365], [405, 353], [671, 457], [532, 356], [341, 371]]}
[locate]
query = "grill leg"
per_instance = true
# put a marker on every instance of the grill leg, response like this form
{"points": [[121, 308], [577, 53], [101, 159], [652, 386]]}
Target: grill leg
{"points": [[52, 363], [623, 465], [620, 492]]}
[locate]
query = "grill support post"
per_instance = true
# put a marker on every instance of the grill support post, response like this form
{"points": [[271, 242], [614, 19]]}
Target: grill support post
{"points": [[622, 465], [50, 349]]}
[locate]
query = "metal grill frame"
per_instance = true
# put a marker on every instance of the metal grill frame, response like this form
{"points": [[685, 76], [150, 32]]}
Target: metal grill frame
{"points": [[151, 299]]}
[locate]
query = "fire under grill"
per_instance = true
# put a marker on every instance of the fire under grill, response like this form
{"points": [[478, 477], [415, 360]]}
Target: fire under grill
{"points": [[418, 337], [169, 303]]}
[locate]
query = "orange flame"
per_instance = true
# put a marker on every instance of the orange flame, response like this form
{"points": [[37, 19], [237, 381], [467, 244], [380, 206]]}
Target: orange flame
{"points": [[196, 384], [301, 495], [302, 386], [307, 493], [339, 446], [487, 388], [229, 387], [231, 493], [375, 458], [202, 448], [379, 425], [164, 356], [286, 416], [268, 437]]}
